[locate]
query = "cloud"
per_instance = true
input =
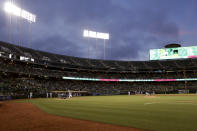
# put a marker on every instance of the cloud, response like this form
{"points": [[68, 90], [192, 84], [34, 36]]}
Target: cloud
{"points": [[53, 44], [133, 30], [135, 33]]}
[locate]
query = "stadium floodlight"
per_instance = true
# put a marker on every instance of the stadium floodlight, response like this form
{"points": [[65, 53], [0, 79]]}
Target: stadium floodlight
{"points": [[13, 9], [86, 33], [103, 36], [92, 34], [97, 35]]}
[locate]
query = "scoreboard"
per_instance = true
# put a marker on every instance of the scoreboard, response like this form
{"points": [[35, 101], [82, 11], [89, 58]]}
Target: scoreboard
{"points": [[173, 53]]}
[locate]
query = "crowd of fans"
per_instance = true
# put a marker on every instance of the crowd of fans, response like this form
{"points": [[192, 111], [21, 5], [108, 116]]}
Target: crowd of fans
{"points": [[18, 77], [31, 69], [21, 87]]}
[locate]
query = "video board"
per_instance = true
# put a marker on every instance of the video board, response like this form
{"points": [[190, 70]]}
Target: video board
{"points": [[173, 53]]}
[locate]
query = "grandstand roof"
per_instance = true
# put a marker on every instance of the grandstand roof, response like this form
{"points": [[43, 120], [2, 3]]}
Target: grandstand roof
{"points": [[60, 61]]}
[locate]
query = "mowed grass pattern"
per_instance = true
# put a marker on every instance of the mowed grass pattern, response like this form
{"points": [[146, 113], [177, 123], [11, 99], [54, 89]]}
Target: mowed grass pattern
{"points": [[159, 113]]}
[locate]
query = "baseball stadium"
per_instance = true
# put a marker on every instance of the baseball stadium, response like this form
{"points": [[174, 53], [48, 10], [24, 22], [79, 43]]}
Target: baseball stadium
{"points": [[148, 95], [43, 90]]}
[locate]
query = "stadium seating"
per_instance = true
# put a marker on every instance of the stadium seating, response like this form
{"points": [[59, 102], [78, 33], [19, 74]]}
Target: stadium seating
{"points": [[41, 72]]}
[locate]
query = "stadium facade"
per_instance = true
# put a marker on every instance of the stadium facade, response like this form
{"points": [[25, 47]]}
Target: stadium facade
{"points": [[24, 70]]}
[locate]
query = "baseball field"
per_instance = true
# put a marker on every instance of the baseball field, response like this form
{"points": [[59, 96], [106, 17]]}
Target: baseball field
{"points": [[102, 113], [158, 113]]}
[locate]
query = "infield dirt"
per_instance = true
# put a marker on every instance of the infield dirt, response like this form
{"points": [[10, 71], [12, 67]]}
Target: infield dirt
{"points": [[27, 117]]}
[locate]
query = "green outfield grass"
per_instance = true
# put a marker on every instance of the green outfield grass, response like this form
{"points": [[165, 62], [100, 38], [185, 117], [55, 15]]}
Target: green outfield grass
{"points": [[158, 113]]}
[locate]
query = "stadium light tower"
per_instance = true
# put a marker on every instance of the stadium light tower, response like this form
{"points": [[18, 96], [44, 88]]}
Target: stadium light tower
{"points": [[13, 9], [17, 11], [96, 35]]}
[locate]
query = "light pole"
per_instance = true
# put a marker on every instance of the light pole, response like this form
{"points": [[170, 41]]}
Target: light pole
{"points": [[88, 47], [104, 50], [96, 35], [12, 9]]}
